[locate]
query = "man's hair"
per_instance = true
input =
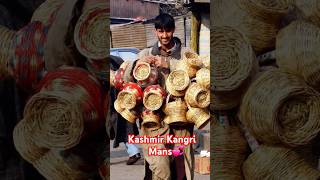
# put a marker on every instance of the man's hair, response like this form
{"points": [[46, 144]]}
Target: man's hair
{"points": [[164, 21]]}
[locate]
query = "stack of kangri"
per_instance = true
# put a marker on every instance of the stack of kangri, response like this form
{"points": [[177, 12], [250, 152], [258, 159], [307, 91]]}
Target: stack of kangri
{"points": [[183, 99]]}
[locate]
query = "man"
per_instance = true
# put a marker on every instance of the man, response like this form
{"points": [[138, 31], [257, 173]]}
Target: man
{"points": [[164, 55]]}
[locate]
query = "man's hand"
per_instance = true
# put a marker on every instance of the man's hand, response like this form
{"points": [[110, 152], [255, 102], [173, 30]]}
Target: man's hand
{"points": [[161, 62]]}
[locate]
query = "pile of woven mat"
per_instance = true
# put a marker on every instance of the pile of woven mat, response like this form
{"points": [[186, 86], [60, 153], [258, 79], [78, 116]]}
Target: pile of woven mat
{"points": [[265, 95], [60, 60]]}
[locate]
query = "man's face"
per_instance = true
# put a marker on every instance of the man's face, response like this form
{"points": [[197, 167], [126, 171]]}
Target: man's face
{"points": [[164, 35]]}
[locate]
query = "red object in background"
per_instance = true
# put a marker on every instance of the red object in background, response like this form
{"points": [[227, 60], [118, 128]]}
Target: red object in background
{"points": [[118, 79], [135, 89]]}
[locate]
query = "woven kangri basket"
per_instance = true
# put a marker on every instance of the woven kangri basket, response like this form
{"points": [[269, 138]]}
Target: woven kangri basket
{"points": [[127, 100], [54, 166], [230, 150], [46, 11], [192, 59], [297, 51], [153, 97], [57, 120], [270, 11], [197, 96], [230, 13], [184, 66], [310, 10], [280, 107], [178, 80], [172, 91], [200, 117], [176, 112], [206, 61], [233, 59], [142, 71], [129, 115], [203, 77], [277, 163], [90, 34], [117, 106], [150, 120], [24, 142]]}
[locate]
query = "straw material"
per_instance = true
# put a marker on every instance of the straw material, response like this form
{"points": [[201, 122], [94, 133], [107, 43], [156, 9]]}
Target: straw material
{"points": [[184, 66], [178, 80], [57, 121], [45, 13], [280, 107], [153, 97], [90, 33], [192, 59], [198, 116], [129, 115], [233, 59], [150, 120], [53, 166], [203, 77], [270, 11], [277, 163], [176, 112], [298, 51], [117, 106], [206, 61], [197, 96], [172, 91], [28, 62], [127, 100], [310, 10], [260, 34], [229, 151], [142, 71], [24, 142]]}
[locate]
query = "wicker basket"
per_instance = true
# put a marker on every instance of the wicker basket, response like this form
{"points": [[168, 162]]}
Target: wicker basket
{"points": [[90, 33], [117, 106], [142, 71], [233, 59], [230, 13], [206, 61], [280, 107], [310, 10], [229, 149], [129, 115], [297, 51], [28, 64], [99, 69], [184, 66], [174, 92], [197, 96], [277, 162], [178, 80], [24, 142], [203, 78], [127, 99], [153, 97], [176, 112], [198, 116], [192, 59], [150, 120], [270, 11], [57, 120], [46, 12]]}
